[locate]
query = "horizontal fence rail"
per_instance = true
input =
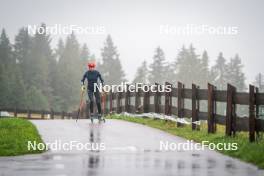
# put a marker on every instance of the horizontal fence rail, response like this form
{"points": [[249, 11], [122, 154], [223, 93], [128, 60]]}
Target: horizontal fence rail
{"points": [[39, 114], [176, 103]]}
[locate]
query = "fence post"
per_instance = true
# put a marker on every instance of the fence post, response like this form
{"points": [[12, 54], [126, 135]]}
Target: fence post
{"points": [[146, 102], [111, 101], [108, 102], [157, 99], [211, 109], [230, 111], [102, 102], [252, 114], [106, 110], [51, 114], [257, 113], [168, 100], [257, 104], [15, 112], [198, 110], [121, 96], [194, 107], [180, 102], [156, 107], [119, 102], [127, 100], [62, 115], [42, 114], [28, 114], [117, 95], [114, 96], [103, 96], [137, 101]]}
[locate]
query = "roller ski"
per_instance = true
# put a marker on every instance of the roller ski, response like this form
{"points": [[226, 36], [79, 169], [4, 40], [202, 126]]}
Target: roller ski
{"points": [[97, 116]]}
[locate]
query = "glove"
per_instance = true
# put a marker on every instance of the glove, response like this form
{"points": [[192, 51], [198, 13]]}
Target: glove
{"points": [[83, 88]]}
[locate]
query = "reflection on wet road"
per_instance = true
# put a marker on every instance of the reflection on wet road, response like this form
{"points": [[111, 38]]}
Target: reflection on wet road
{"points": [[130, 149]]}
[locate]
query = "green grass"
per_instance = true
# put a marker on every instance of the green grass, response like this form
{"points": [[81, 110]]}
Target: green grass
{"points": [[249, 152], [14, 136]]}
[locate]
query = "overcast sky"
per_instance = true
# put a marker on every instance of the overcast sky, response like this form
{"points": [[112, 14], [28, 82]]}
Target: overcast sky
{"points": [[135, 26]]}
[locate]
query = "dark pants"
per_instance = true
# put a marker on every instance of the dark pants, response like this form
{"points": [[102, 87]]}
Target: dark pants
{"points": [[97, 99]]}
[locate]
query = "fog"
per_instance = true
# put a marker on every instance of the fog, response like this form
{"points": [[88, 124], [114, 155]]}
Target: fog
{"points": [[135, 27]]}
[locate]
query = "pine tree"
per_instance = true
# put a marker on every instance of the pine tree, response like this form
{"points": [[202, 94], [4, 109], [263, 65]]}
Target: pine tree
{"points": [[58, 78], [188, 66], [12, 89], [178, 64], [219, 72], [6, 54], [142, 74], [204, 70], [259, 82], [85, 57], [157, 67], [69, 74], [59, 50], [170, 73], [17, 89], [235, 75], [36, 100], [40, 61], [3, 87], [22, 46], [6, 62], [111, 68]]}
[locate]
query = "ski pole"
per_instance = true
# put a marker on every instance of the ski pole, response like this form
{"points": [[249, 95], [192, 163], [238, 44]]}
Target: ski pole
{"points": [[81, 101]]}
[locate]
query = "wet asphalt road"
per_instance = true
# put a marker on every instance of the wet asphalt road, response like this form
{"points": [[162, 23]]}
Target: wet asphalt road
{"points": [[128, 149]]}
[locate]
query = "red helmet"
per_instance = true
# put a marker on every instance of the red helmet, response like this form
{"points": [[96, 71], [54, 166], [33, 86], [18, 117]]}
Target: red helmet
{"points": [[91, 65]]}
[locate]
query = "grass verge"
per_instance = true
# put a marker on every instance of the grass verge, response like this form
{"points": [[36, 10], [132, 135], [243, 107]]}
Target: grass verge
{"points": [[14, 136], [249, 152]]}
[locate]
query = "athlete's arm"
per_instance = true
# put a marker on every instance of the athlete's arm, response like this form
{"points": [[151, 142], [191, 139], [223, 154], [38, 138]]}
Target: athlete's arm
{"points": [[84, 76], [100, 77]]}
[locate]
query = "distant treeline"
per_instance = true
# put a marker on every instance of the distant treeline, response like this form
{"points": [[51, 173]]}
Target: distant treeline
{"points": [[35, 76], [32, 75], [189, 67]]}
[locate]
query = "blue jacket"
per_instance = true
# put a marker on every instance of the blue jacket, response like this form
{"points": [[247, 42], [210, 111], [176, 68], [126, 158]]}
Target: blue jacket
{"points": [[92, 78]]}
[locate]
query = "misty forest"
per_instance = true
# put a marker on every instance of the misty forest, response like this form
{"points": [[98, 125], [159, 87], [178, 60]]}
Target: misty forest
{"points": [[34, 75]]}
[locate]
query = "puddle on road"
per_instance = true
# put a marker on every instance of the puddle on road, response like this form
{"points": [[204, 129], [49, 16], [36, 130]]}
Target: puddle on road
{"points": [[126, 160], [107, 163]]}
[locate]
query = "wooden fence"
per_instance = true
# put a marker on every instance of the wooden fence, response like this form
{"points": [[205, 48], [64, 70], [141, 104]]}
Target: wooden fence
{"points": [[173, 102], [39, 114]]}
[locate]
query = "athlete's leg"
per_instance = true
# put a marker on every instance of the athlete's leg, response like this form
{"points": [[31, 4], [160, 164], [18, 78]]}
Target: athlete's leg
{"points": [[98, 101], [90, 95]]}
